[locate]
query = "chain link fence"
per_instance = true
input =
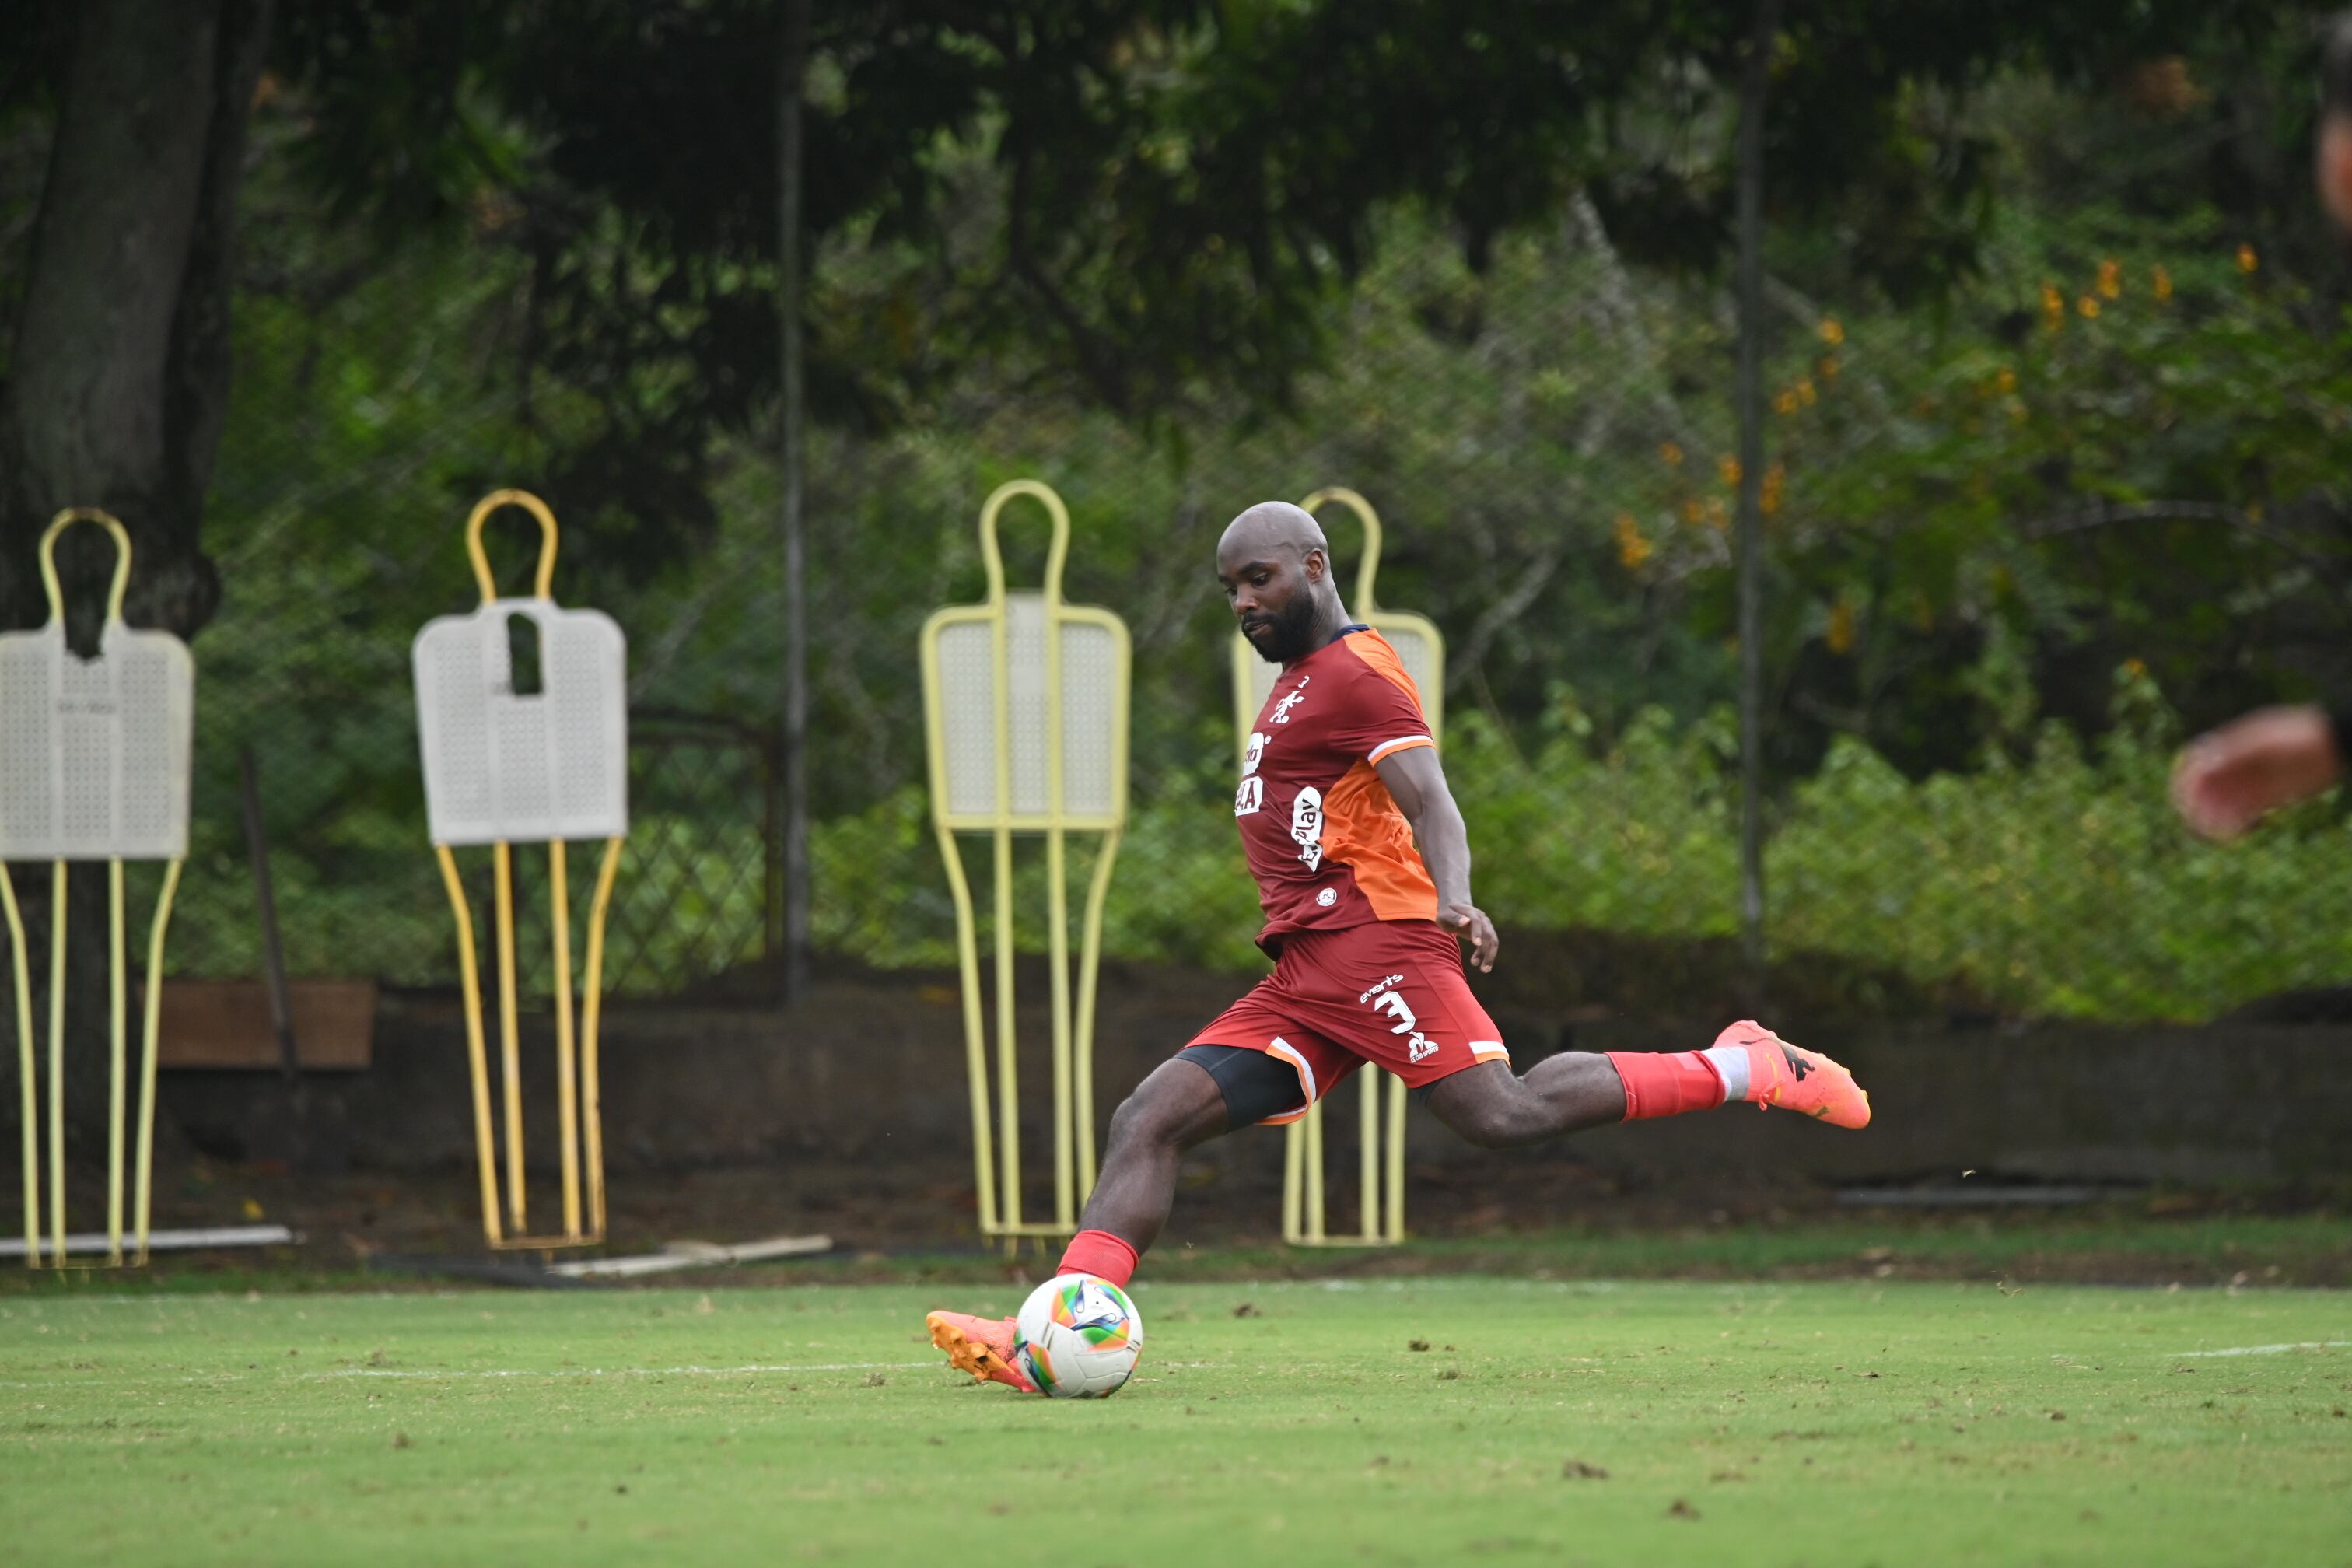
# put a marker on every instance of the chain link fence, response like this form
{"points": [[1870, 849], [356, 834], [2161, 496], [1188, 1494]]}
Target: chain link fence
{"points": [[1546, 442]]}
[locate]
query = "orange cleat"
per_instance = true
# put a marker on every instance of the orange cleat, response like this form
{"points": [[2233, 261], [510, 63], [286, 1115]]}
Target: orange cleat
{"points": [[981, 1346], [1788, 1077]]}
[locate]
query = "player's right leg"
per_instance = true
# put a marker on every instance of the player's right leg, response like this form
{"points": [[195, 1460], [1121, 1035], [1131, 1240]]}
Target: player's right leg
{"points": [[1200, 1093], [1180, 1106]]}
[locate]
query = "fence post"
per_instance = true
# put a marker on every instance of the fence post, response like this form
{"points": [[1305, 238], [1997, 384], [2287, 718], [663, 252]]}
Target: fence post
{"points": [[792, 65], [1754, 73]]}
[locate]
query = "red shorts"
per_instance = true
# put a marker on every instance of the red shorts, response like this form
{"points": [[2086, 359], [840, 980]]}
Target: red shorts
{"points": [[1391, 993]]}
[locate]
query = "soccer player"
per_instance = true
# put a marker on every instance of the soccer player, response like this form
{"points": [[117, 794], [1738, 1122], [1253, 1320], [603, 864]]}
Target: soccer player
{"points": [[2230, 779], [1339, 779]]}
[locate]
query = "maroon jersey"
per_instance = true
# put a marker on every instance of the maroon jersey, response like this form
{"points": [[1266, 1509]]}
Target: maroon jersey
{"points": [[1324, 837]]}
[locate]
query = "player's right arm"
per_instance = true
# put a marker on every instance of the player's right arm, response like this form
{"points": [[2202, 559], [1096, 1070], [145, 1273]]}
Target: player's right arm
{"points": [[1416, 781], [2228, 780]]}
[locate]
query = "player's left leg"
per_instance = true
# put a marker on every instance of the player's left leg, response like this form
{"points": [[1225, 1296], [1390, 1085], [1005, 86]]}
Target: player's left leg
{"points": [[1566, 1093], [1395, 995]]}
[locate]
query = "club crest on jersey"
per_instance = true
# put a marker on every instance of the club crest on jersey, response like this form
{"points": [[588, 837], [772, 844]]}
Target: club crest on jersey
{"points": [[1281, 714], [1307, 823]]}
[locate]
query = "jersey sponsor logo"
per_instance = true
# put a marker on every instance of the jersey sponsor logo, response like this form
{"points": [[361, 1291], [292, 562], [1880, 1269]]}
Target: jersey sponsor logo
{"points": [[1254, 754], [1391, 980], [1327, 896], [1281, 714], [1307, 825], [1250, 797]]}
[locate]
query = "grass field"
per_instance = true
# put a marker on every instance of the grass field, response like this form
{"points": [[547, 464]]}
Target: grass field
{"points": [[1300, 1422]]}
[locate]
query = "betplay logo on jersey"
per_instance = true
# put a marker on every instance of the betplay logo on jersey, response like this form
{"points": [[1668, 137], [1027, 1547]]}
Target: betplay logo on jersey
{"points": [[1307, 825]]}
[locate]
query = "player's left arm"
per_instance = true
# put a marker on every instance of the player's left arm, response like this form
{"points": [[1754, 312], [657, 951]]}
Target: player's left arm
{"points": [[1417, 782]]}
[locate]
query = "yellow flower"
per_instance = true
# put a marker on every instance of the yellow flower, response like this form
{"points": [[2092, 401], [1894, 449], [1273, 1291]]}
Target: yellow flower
{"points": [[1728, 467], [1805, 391], [1826, 367], [1692, 511], [2089, 306], [1670, 454], [2135, 668], [2054, 307], [2006, 380], [1785, 400], [2163, 284], [2247, 259], [1719, 516], [1840, 635], [1767, 494], [1631, 548], [1832, 332], [2111, 279]]}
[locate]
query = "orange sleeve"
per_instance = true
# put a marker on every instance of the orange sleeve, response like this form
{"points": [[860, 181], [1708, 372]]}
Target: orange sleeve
{"points": [[1384, 714]]}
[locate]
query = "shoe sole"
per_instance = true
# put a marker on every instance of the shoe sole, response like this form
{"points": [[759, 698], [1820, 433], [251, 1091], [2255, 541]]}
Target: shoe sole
{"points": [[967, 1354]]}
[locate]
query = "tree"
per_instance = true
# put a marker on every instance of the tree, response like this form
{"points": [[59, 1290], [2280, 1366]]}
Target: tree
{"points": [[116, 382]]}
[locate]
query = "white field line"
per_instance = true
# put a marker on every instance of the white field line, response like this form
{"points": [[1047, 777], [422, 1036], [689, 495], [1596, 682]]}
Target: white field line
{"points": [[632, 1371], [755, 1370], [2271, 1350]]}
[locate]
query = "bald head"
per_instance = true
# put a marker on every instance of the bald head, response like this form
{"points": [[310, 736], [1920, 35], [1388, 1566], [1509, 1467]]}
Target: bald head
{"points": [[1271, 525], [1275, 567]]}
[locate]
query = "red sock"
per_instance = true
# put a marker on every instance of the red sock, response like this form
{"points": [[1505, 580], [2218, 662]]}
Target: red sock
{"points": [[1105, 1256], [1666, 1083]]}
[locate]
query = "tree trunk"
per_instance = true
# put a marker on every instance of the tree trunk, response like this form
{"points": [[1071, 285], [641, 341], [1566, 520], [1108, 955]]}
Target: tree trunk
{"points": [[116, 390]]}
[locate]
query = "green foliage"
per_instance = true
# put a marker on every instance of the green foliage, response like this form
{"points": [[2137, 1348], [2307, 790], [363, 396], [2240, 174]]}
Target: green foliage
{"points": [[2059, 887], [1978, 512]]}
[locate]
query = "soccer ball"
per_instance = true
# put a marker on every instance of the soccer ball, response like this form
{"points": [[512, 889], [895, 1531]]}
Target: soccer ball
{"points": [[1077, 1337]]}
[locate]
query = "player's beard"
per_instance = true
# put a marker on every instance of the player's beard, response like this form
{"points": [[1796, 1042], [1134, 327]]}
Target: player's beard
{"points": [[1285, 634]]}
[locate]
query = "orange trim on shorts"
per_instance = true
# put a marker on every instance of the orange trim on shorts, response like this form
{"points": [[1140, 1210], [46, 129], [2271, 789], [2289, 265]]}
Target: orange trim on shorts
{"points": [[1283, 1049]]}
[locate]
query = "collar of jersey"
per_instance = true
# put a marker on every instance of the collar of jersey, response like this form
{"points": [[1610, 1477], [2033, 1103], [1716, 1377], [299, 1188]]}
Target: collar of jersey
{"points": [[1345, 632]]}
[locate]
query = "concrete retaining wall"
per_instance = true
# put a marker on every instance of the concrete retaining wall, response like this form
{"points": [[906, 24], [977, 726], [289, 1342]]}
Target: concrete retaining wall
{"points": [[875, 1071]]}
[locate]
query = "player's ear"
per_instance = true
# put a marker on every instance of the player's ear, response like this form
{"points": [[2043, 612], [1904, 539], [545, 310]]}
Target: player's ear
{"points": [[1315, 564]]}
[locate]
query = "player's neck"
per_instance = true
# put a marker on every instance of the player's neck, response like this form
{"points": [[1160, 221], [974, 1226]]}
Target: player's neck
{"points": [[1331, 624]]}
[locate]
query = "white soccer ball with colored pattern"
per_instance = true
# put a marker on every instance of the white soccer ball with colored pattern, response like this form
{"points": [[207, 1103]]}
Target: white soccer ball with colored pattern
{"points": [[1077, 1337]]}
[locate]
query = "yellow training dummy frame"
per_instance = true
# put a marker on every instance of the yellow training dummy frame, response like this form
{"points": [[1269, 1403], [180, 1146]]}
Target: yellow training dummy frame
{"points": [[503, 766], [93, 766], [1025, 711], [1421, 650]]}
